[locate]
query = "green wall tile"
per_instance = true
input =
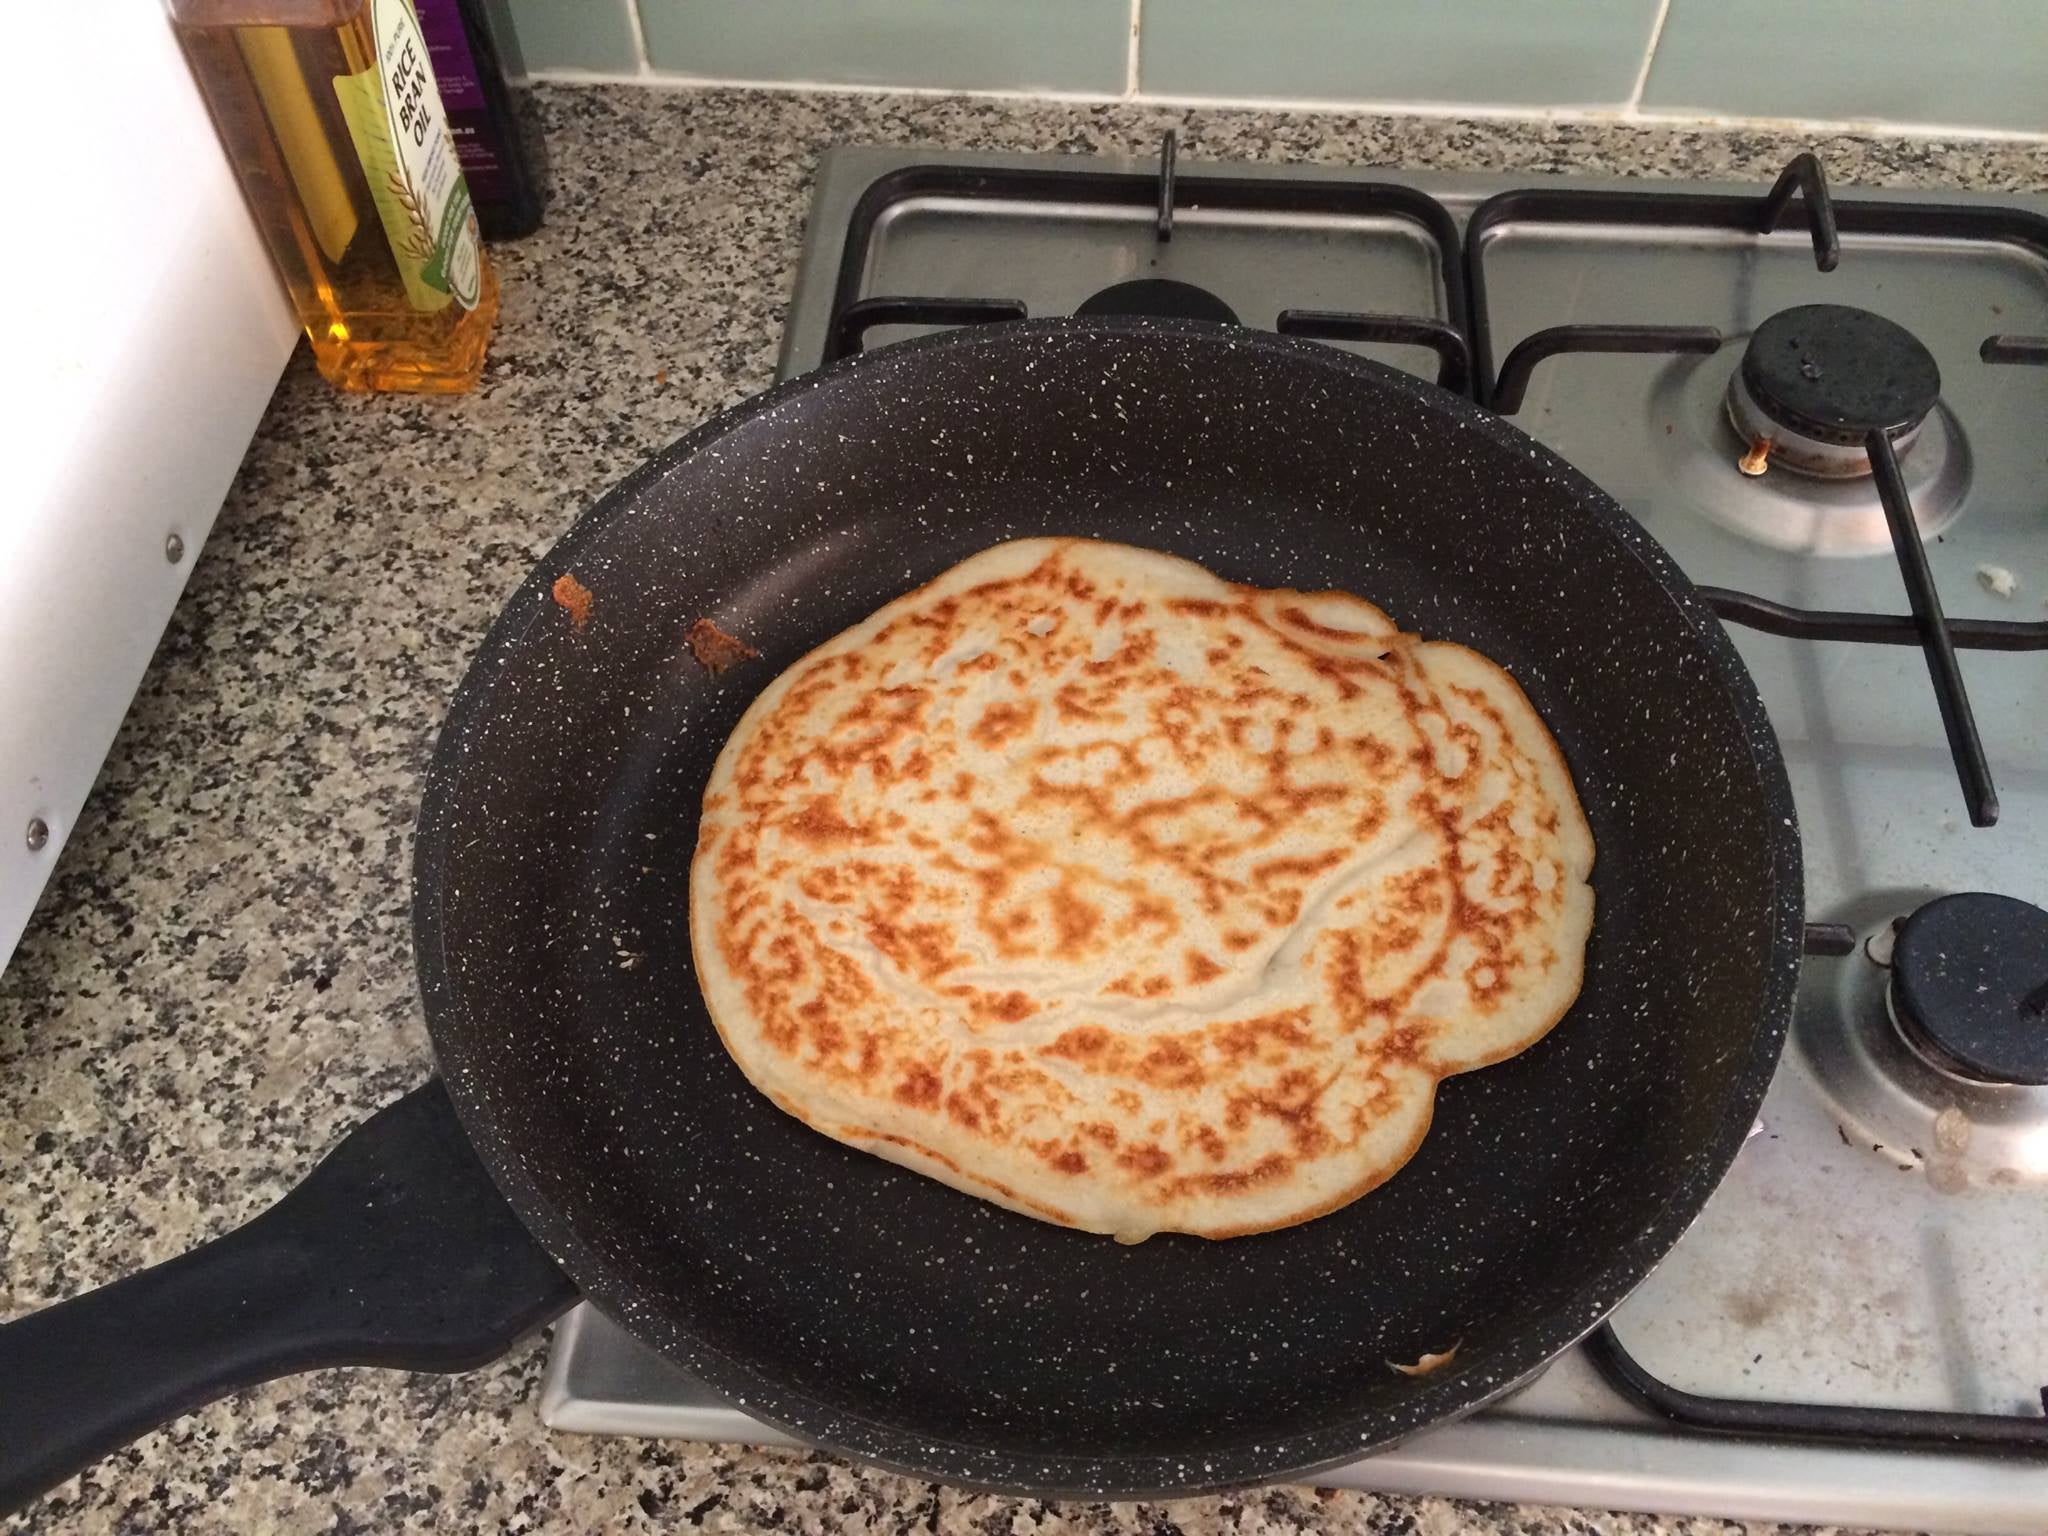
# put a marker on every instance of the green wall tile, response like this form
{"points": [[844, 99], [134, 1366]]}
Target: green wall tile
{"points": [[1955, 63], [575, 34], [1057, 45], [1491, 52]]}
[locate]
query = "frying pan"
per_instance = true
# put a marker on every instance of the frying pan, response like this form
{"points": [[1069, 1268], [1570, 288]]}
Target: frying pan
{"points": [[851, 1302]]}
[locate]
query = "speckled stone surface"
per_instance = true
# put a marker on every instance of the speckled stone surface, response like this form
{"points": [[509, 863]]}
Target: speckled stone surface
{"points": [[219, 981]]}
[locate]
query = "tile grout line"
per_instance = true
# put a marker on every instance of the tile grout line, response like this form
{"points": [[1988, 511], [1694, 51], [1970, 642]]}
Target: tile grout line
{"points": [[639, 30], [1635, 97], [659, 79], [1131, 57]]}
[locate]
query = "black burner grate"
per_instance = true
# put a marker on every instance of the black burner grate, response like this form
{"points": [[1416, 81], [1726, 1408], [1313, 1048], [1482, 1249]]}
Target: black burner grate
{"points": [[1160, 194], [1926, 625]]}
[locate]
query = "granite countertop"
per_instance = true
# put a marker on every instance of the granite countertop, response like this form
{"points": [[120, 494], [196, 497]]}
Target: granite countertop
{"points": [[219, 981]]}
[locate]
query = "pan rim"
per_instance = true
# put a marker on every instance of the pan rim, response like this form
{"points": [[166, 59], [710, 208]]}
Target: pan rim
{"points": [[1142, 1475]]}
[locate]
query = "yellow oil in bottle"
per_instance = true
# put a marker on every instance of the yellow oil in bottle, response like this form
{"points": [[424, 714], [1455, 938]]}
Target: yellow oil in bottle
{"points": [[392, 289]]}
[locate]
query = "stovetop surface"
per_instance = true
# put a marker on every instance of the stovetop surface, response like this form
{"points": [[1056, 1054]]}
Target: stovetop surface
{"points": [[1878, 1241]]}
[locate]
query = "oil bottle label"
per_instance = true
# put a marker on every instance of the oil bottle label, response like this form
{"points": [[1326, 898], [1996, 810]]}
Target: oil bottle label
{"points": [[400, 131]]}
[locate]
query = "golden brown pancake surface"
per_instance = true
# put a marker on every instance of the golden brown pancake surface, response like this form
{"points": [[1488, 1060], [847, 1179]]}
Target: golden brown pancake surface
{"points": [[1095, 885]]}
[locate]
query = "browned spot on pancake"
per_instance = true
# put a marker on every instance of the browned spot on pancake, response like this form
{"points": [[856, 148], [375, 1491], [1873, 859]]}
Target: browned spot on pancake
{"points": [[1170, 1064], [1419, 893], [1074, 920], [1149, 912], [1077, 703], [1345, 977], [1306, 868], [1237, 938], [1010, 1007], [1269, 1037], [1175, 717], [923, 949], [1371, 817], [1086, 1043], [1386, 938], [1201, 968], [1147, 1161], [1013, 1008], [1138, 648], [920, 1088], [1061, 1159], [1280, 908], [821, 1030], [1101, 1132], [865, 733], [826, 883], [1269, 1169], [1303, 620]]}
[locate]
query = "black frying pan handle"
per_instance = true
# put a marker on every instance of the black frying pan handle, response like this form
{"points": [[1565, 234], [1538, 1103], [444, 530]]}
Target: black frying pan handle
{"points": [[397, 1250]]}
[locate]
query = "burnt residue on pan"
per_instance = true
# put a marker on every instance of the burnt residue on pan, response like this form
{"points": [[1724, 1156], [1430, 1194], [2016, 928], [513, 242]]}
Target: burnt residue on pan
{"points": [[867, 1308], [714, 649], [573, 598]]}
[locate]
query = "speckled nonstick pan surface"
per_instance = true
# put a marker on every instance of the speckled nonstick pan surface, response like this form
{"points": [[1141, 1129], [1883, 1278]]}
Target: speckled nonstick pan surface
{"points": [[885, 1315]]}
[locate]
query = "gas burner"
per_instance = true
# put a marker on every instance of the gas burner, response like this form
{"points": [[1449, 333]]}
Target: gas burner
{"points": [[1969, 988], [1801, 513], [1164, 298], [1818, 379], [1923, 1068]]}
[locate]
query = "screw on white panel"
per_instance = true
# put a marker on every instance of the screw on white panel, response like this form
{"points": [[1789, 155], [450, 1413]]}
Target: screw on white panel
{"points": [[38, 834], [174, 549]]}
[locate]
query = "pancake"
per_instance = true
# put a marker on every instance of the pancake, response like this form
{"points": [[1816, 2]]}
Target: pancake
{"points": [[1132, 899]]}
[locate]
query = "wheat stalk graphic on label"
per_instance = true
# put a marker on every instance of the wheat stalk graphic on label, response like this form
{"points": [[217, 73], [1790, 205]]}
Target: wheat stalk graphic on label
{"points": [[419, 244]]}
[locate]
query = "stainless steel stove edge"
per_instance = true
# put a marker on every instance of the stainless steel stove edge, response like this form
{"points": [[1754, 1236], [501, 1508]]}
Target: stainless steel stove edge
{"points": [[1605, 1455]]}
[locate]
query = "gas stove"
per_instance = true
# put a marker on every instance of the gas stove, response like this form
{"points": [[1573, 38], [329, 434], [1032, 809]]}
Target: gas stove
{"points": [[1821, 407]]}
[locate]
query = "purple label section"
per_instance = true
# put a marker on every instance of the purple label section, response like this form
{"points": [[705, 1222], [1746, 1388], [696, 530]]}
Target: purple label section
{"points": [[469, 121], [454, 68]]}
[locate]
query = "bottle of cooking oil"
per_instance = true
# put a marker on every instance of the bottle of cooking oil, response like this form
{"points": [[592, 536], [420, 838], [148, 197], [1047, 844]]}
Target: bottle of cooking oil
{"points": [[332, 120]]}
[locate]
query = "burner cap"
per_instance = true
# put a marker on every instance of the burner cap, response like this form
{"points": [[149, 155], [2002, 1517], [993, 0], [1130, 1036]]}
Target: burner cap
{"points": [[1163, 297], [1834, 373], [1970, 987]]}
